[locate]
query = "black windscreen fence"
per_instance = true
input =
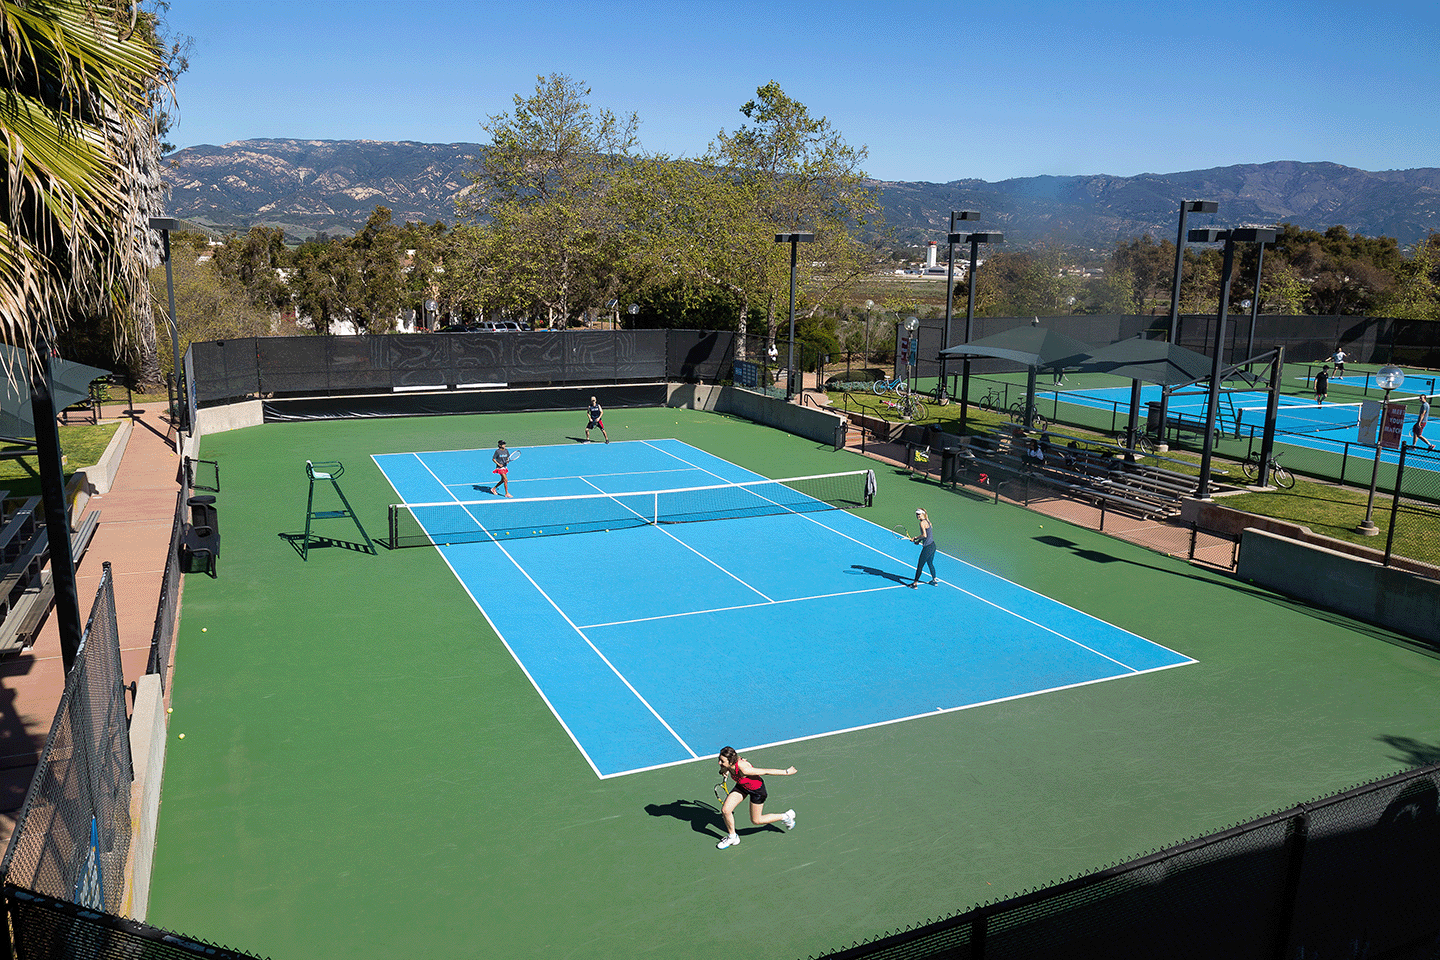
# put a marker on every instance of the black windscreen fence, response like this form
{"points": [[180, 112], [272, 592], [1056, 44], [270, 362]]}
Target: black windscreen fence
{"points": [[224, 371], [279, 367], [1352, 875]]}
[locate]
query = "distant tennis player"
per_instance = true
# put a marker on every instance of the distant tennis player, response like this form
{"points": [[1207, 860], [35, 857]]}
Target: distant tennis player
{"points": [[927, 548], [596, 412], [1417, 432], [502, 468], [1339, 359], [1322, 384], [748, 785]]}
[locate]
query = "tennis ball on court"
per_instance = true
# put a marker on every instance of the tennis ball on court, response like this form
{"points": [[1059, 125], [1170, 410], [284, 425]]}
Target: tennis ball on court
{"points": [[182, 736], [204, 629], [169, 709]]}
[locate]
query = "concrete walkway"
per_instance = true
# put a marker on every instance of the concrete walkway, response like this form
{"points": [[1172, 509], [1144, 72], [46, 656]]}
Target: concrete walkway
{"points": [[134, 536]]}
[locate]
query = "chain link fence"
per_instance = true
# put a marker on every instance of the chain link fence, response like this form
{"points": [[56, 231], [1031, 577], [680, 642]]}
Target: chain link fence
{"points": [[1415, 510], [72, 837]]}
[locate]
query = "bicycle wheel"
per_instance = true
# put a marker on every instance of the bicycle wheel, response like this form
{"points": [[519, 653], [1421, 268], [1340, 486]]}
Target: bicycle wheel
{"points": [[880, 387], [1039, 422], [1250, 466], [1144, 444], [1281, 477], [1017, 411], [916, 410]]}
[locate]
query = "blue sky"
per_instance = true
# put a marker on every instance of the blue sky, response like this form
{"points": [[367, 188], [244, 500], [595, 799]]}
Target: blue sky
{"points": [[936, 91]]}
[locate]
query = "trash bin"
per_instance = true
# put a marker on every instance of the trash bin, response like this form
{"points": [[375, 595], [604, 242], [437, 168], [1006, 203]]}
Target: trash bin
{"points": [[1152, 418], [950, 465]]}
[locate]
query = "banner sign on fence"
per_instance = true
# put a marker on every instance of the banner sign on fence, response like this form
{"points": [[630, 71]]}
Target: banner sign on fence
{"points": [[1392, 427], [1382, 423], [747, 373]]}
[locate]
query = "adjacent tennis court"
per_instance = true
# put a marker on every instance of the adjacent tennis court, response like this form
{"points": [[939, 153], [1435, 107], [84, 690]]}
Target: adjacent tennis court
{"points": [[590, 592], [1299, 420]]}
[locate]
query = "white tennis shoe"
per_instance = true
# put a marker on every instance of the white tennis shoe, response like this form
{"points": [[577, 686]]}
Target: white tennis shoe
{"points": [[729, 841], [788, 818]]}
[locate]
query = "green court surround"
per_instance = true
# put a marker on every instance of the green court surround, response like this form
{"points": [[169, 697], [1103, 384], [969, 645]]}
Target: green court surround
{"points": [[366, 773]]}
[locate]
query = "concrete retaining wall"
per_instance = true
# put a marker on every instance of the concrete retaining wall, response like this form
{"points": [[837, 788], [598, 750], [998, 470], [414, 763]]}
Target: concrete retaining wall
{"points": [[147, 754], [1228, 523], [812, 423], [1351, 585], [97, 478]]}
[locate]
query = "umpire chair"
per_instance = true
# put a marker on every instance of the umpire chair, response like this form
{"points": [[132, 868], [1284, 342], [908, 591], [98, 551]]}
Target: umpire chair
{"points": [[331, 471]]}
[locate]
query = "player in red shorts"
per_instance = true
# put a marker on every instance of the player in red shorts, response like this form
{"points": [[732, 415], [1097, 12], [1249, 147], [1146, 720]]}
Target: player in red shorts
{"points": [[596, 412], [748, 785]]}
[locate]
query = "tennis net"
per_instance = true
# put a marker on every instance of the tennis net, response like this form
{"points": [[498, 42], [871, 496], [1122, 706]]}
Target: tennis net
{"points": [[1301, 417], [503, 518]]}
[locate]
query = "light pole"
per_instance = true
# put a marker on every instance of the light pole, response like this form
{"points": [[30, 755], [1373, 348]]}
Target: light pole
{"points": [[1187, 207], [912, 327], [974, 239], [794, 239], [165, 225], [1388, 378], [1254, 302], [951, 238], [1212, 407]]}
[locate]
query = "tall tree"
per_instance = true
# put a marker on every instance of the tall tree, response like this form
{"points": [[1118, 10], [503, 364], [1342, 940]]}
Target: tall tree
{"points": [[547, 181], [784, 171]]}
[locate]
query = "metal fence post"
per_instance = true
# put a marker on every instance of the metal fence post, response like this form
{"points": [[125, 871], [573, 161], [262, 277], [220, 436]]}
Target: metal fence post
{"points": [[1395, 504]]}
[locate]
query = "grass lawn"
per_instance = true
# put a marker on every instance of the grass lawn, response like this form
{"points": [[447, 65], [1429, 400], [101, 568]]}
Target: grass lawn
{"points": [[82, 445]]}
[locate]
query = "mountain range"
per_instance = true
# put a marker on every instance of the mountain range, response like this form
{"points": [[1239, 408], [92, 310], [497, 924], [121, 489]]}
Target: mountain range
{"points": [[308, 187]]}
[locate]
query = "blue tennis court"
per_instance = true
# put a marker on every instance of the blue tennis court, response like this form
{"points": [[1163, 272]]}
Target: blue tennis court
{"points": [[1299, 421], [658, 643]]}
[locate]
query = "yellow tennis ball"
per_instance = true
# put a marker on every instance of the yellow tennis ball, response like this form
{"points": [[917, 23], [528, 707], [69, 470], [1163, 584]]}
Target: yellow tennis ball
{"points": [[204, 629], [169, 709], [182, 736]]}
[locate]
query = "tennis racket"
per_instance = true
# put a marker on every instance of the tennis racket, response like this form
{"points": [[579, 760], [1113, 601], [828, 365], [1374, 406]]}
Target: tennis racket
{"points": [[901, 530], [722, 789], [514, 455]]}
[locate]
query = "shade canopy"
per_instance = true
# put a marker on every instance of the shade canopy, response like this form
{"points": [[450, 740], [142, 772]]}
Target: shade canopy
{"points": [[70, 384], [1031, 346], [1151, 361]]}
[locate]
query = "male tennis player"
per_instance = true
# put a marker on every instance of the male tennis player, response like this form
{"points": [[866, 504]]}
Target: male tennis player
{"points": [[502, 468], [1339, 359], [927, 546], [1322, 384], [1417, 432], [748, 784], [596, 412]]}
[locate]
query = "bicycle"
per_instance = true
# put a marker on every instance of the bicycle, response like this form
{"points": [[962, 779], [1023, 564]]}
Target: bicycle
{"points": [[1017, 414], [1280, 476], [1143, 443], [994, 399], [908, 407], [899, 386]]}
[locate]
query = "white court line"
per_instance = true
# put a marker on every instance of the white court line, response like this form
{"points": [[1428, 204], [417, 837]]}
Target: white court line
{"points": [[742, 606], [687, 546], [521, 664], [939, 711], [581, 634], [1018, 616]]}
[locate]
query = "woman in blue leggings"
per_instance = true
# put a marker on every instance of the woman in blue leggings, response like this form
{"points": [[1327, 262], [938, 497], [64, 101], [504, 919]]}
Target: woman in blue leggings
{"points": [[927, 549]]}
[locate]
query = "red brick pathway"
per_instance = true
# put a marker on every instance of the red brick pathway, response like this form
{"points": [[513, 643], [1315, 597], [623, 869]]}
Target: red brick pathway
{"points": [[134, 536]]}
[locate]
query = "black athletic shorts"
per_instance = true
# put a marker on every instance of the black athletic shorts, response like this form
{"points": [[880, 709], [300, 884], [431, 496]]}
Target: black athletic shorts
{"points": [[758, 795]]}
